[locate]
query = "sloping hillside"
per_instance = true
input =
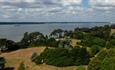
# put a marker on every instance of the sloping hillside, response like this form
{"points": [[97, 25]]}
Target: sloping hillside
{"points": [[23, 55]]}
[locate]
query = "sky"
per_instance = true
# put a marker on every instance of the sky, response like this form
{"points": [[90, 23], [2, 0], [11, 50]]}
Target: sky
{"points": [[57, 10]]}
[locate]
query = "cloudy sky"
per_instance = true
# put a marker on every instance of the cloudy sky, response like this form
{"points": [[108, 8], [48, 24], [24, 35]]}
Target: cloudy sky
{"points": [[57, 10]]}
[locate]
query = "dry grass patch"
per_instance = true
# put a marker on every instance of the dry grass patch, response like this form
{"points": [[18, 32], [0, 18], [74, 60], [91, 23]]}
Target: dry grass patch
{"points": [[14, 58], [112, 31], [74, 42]]}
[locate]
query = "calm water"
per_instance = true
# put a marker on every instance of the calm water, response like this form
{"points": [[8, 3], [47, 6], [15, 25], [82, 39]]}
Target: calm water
{"points": [[15, 31]]}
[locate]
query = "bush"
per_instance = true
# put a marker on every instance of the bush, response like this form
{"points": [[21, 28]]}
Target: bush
{"points": [[36, 58], [22, 66]]}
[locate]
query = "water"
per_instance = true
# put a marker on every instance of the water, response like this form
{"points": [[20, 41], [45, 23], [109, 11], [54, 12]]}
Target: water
{"points": [[15, 31]]}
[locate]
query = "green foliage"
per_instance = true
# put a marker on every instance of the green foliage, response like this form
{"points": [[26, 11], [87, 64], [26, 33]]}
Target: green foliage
{"points": [[108, 45], [108, 64], [94, 64], [80, 56], [112, 42], [22, 66], [104, 60], [60, 61], [102, 32], [57, 57], [102, 54], [113, 35], [2, 60], [77, 35], [51, 42], [8, 45], [36, 58], [95, 49], [63, 57], [90, 41], [33, 39]]}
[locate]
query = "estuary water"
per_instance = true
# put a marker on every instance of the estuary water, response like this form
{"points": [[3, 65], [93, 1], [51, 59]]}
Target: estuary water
{"points": [[15, 31]]}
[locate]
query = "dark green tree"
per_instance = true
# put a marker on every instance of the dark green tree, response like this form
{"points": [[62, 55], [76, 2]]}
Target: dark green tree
{"points": [[57, 33]]}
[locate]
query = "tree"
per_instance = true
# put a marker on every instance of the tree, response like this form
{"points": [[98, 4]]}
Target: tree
{"points": [[33, 39], [57, 33], [90, 41], [113, 35], [51, 42], [8, 45], [12, 46], [58, 57], [101, 32], [80, 56], [25, 40], [3, 46], [77, 35]]}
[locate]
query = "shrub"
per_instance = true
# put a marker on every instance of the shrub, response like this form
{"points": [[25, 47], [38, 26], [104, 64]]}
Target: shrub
{"points": [[94, 64], [36, 58], [22, 66]]}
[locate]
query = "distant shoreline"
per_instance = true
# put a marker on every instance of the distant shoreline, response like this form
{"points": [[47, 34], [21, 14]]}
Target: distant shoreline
{"points": [[6, 23]]}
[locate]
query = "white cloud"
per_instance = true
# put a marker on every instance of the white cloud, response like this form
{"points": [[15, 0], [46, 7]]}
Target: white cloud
{"points": [[71, 1], [102, 2], [47, 6], [18, 1], [17, 9]]}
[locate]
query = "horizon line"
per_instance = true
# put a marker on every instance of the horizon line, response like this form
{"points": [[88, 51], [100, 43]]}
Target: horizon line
{"points": [[3, 23]]}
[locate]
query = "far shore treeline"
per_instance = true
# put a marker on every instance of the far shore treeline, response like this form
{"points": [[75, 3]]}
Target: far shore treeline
{"points": [[60, 51], [4, 23]]}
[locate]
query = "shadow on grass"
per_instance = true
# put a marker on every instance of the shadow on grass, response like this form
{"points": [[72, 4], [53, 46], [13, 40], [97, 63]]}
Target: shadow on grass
{"points": [[9, 68]]}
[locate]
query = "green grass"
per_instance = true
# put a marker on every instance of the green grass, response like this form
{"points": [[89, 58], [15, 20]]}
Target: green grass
{"points": [[81, 68]]}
